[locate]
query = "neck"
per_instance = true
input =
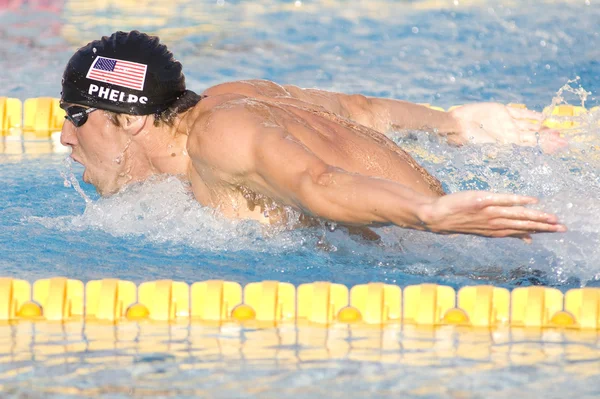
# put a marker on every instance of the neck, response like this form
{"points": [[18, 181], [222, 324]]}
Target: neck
{"points": [[164, 148]]}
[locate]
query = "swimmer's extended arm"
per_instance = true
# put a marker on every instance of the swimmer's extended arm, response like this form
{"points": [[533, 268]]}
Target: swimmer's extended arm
{"points": [[475, 123], [380, 114], [292, 175]]}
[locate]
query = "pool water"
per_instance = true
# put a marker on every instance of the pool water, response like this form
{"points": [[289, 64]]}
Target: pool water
{"points": [[444, 53]]}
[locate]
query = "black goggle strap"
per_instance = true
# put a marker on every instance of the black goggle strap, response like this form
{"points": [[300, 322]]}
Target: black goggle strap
{"points": [[77, 114]]}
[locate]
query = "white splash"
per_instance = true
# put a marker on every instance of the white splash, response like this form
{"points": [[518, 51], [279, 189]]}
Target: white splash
{"points": [[567, 184], [163, 209], [70, 180]]}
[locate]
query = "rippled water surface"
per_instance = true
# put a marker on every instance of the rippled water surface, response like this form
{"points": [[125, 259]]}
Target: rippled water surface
{"points": [[443, 53]]}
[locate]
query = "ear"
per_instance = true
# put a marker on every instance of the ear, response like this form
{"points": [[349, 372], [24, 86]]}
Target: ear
{"points": [[133, 124]]}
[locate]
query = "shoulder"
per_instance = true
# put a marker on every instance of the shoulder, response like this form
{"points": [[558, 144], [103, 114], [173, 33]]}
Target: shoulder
{"points": [[223, 135], [250, 88]]}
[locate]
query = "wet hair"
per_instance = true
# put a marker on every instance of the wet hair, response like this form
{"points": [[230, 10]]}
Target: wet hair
{"points": [[169, 115]]}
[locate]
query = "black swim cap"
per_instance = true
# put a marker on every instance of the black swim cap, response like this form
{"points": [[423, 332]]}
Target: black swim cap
{"points": [[129, 73]]}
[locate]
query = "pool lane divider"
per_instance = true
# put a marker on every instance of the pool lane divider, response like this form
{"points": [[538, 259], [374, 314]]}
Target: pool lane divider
{"points": [[10, 113], [272, 303], [320, 303], [40, 117]]}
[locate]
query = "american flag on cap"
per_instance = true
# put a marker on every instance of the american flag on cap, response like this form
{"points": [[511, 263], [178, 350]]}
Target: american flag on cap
{"points": [[118, 72]]}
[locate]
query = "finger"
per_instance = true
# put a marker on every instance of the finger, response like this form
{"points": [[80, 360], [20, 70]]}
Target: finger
{"points": [[545, 130], [528, 138], [489, 199], [528, 226], [551, 141], [550, 134], [524, 113], [528, 126], [510, 233], [522, 213]]}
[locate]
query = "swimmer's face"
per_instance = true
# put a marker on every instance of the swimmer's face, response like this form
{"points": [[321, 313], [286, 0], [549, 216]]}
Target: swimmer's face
{"points": [[101, 147]]}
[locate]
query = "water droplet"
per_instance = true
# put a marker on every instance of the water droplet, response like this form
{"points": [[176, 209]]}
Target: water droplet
{"points": [[70, 180]]}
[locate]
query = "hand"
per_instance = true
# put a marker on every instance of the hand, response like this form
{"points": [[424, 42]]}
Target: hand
{"points": [[488, 214], [497, 123]]}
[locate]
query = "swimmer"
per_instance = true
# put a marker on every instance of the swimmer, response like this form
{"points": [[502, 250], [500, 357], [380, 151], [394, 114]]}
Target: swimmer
{"points": [[251, 148]]}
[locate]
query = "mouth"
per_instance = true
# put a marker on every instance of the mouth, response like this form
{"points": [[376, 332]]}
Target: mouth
{"points": [[84, 175]]}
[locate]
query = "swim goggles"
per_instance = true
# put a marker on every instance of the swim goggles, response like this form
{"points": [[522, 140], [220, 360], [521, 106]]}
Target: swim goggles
{"points": [[77, 114]]}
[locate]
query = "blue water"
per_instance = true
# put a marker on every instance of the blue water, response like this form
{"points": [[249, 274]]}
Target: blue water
{"points": [[450, 54]]}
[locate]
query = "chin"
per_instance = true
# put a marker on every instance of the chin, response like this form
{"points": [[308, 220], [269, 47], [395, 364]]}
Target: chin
{"points": [[99, 189], [106, 191], [103, 192]]}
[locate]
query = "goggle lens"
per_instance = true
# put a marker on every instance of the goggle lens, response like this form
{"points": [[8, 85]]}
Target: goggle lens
{"points": [[78, 115]]}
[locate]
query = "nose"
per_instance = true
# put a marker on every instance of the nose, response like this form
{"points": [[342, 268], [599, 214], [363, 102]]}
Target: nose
{"points": [[67, 134]]}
